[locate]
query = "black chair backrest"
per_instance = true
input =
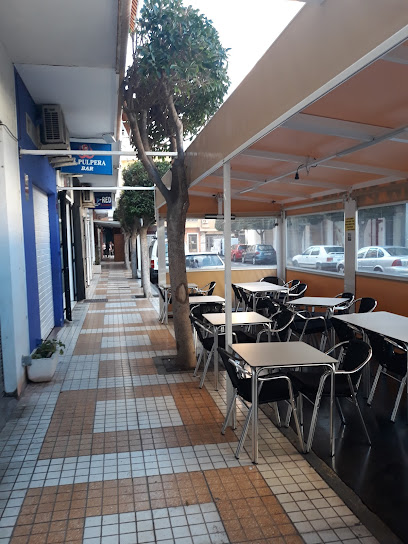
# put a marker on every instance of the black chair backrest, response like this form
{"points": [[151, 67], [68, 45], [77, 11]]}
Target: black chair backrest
{"points": [[196, 324], [347, 295], [272, 307], [367, 304], [161, 293], [282, 321], [356, 353], [230, 368], [298, 291], [237, 293], [292, 284], [211, 288], [344, 332], [247, 300], [208, 308], [272, 279]]}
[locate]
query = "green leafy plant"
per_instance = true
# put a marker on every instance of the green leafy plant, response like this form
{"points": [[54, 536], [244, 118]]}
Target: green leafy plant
{"points": [[47, 348]]}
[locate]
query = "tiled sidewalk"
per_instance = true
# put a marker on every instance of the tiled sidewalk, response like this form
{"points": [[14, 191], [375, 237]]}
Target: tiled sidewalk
{"points": [[112, 452]]}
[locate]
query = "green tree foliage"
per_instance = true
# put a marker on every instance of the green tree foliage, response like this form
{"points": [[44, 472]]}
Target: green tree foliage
{"points": [[138, 205]]}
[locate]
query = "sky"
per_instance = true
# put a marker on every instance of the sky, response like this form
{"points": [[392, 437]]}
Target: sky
{"points": [[247, 28]]}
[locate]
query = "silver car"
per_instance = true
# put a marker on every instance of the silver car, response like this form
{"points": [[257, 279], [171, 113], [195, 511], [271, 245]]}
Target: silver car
{"points": [[392, 260]]}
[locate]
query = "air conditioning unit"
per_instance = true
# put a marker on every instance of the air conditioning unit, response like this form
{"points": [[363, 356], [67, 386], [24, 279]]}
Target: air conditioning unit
{"points": [[54, 133], [88, 198]]}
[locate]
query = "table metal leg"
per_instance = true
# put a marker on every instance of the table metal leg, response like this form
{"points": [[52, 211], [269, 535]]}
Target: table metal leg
{"points": [[216, 358], [166, 307], [332, 396], [254, 385]]}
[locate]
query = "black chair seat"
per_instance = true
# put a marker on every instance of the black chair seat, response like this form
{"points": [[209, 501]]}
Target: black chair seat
{"points": [[270, 392], [308, 382], [312, 327]]}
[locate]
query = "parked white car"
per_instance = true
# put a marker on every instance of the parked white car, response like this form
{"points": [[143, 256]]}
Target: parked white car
{"points": [[320, 257], [392, 260]]}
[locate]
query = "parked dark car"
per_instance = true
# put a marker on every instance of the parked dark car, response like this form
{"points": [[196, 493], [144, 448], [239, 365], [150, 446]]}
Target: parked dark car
{"points": [[259, 253], [237, 250]]}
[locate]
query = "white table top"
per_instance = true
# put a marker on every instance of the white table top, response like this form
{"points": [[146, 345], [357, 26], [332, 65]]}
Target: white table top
{"points": [[328, 302], [281, 354], [238, 318], [385, 323], [260, 287], [168, 286], [205, 299]]}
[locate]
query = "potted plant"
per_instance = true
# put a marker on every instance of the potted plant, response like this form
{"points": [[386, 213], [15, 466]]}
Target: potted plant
{"points": [[44, 359]]}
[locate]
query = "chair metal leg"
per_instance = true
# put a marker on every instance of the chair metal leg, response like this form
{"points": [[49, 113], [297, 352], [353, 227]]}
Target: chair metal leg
{"points": [[300, 409], [340, 411], [207, 364], [374, 386], [277, 414], [315, 412], [198, 361], [244, 433], [288, 416], [398, 399], [229, 411], [361, 417]]}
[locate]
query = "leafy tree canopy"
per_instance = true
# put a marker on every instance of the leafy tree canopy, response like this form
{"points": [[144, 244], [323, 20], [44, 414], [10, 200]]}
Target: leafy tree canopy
{"points": [[136, 205], [177, 56]]}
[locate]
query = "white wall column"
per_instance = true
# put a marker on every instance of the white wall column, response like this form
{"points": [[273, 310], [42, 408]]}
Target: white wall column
{"points": [[13, 290], [227, 274], [281, 247], [350, 244]]}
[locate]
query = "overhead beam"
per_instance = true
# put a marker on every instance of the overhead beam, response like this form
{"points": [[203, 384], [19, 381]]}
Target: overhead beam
{"points": [[339, 128], [347, 151], [65, 152], [339, 165]]}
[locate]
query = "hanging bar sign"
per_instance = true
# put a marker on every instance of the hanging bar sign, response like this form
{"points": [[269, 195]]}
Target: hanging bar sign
{"points": [[88, 163], [103, 201]]}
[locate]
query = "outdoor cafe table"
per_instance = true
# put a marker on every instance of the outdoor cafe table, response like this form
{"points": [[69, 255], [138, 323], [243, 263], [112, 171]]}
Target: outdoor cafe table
{"points": [[384, 323], [205, 299], [166, 287], [217, 321], [325, 302], [260, 287], [282, 355]]}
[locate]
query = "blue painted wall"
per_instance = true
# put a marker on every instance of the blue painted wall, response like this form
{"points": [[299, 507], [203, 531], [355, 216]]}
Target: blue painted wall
{"points": [[42, 175]]}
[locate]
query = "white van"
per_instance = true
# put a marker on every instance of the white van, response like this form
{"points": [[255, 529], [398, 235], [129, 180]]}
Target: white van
{"points": [[154, 266]]}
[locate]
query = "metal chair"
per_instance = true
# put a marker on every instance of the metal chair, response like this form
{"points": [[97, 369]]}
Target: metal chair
{"points": [[163, 313], [313, 385], [274, 280], [392, 359], [306, 324], [206, 338], [207, 290], [363, 305], [280, 330], [272, 388], [238, 298], [295, 292]]}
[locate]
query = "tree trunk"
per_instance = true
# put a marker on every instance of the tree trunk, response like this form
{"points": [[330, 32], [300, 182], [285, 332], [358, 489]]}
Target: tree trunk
{"points": [[133, 247], [144, 252], [176, 220], [126, 250]]}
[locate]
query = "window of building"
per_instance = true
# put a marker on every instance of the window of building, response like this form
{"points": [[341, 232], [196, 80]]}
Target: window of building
{"points": [[382, 240], [316, 241]]}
